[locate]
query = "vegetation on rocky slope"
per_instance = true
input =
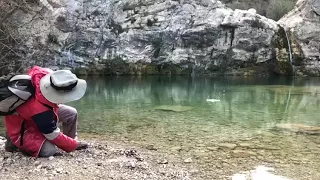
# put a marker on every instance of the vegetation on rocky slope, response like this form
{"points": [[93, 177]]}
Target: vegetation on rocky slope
{"points": [[11, 53], [275, 8]]}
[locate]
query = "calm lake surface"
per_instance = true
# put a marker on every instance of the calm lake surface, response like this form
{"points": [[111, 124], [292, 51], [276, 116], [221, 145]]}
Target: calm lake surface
{"points": [[246, 106], [172, 115]]}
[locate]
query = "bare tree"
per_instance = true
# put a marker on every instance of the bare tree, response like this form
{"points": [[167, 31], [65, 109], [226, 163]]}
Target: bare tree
{"points": [[11, 53]]}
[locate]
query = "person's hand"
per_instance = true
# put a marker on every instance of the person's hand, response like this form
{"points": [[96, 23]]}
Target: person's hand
{"points": [[82, 145]]}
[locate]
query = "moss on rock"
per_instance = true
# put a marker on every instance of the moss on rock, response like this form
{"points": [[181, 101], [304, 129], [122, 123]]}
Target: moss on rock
{"points": [[283, 68], [297, 54], [81, 71], [282, 64]]}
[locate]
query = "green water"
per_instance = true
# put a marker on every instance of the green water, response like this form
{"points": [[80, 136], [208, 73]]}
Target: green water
{"points": [[127, 108], [128, 105]]}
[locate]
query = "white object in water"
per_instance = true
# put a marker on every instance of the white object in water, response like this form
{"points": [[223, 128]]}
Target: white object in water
{"points": [[260, 173], [239, 177], [213, 100]]}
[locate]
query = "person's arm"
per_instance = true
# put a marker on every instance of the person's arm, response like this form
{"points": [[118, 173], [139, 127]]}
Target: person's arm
{"points": [[48, 127]]}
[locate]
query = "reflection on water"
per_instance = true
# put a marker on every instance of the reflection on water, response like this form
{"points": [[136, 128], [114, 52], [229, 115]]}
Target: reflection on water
{"points": [[113, 103]]}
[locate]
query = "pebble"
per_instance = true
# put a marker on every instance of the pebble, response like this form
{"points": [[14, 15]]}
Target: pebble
{"points": [[151, 147], [163, 161], [176, 148], [186, 178], [227, 146], [188, 160], [49, 167], [242, 153], [131, 164], [219, 166], [268, 147], [36, 163], [247, 145], [260, 157], [201, 145], [58, 170], [51, 158], [212, 148]]}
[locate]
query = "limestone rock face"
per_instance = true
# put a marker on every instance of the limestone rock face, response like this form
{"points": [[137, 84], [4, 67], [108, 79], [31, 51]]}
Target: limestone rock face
{"points": [[299, 128], [303, 27], [151, 37]]}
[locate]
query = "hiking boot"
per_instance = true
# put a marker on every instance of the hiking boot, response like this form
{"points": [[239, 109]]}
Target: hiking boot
{"points": [[9, 146]]}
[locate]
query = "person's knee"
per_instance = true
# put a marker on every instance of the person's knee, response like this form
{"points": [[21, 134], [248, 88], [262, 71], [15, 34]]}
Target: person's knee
{"points": [[48, 149], [73, 112]]}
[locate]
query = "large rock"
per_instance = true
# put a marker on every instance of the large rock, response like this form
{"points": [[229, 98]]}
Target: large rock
{"points": [[299, 128], [303, 27], [150, 37]]}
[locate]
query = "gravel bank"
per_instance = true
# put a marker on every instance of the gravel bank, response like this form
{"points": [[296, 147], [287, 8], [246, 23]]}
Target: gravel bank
{"points": [[101, 161]]}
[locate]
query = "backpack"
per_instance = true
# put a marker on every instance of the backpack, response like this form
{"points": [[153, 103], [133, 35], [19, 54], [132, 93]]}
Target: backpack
{"points": [[14, 91]]}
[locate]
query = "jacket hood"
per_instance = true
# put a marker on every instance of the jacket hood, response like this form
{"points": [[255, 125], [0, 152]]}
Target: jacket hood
{"points": [[36, 74]]}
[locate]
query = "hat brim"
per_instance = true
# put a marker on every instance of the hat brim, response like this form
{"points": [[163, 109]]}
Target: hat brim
{"points": [[60, 97]]}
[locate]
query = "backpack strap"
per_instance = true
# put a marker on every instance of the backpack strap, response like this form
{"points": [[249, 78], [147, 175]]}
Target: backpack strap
{"points": [[22, 129]]}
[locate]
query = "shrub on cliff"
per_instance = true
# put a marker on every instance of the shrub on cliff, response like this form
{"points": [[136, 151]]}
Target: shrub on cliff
{"points": [[278, 8], [275, 8]]}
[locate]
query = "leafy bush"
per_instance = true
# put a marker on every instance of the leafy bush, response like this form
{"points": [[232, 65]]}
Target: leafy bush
{"points": [[278, 8], [259, 7]]}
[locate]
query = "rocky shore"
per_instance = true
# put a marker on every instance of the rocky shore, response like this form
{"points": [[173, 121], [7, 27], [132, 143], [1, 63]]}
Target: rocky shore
{"points": [[100, 161], [110, 159]]}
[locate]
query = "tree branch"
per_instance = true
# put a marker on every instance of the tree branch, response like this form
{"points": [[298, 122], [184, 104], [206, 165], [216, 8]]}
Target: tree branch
{"points": [[9, 14]]}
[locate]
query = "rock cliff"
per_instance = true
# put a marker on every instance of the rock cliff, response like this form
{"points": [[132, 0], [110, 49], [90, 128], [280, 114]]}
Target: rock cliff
{"points": [[154, 37], [303, 27]]}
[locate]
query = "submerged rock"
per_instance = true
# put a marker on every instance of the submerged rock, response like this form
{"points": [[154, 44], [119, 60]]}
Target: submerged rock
{"points": [[173, 108], [151, 147], [268, 147], [162, 161], [247, 145], [212, 148], [242, 153], [176, 148], [227, 146], [299, 128], [188, 160]]}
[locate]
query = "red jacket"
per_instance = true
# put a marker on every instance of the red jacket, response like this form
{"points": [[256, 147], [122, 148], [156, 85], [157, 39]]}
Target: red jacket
{"points": [[33, 138]]}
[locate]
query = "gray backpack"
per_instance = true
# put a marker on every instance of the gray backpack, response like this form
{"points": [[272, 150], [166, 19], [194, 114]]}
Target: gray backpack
{"points": [[14, 91]]}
